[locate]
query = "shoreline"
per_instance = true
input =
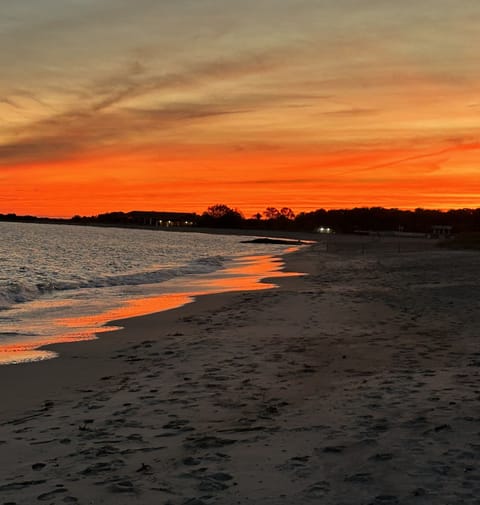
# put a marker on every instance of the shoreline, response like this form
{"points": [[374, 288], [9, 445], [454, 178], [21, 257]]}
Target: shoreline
{"points": [[242, 273], [356, 383], [302, 235], [104, 342]]}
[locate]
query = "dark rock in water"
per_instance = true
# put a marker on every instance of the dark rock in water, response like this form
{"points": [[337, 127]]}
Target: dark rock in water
{"points": [[271, 241]]}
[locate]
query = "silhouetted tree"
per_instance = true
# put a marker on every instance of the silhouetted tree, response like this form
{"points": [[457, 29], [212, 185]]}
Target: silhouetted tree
{"points": [[221, 216], [287, 213], [341, 220], [271, 213], [219, 210]]}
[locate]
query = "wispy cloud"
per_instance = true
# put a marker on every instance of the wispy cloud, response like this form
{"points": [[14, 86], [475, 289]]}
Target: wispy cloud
{"points": [[133, 84], [103, 113], [351, 112], [432, 161], [11, 103], [35, 150], [74, 133]]}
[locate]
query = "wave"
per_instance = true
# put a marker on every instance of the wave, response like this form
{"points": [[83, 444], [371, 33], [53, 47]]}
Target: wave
{"points": [[22, 291]]}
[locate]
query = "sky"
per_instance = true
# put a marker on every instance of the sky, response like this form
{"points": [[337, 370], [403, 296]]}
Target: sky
{"points": [[176, 105]]}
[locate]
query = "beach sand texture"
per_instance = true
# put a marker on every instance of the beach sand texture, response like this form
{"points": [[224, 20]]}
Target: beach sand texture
{"points": [[355, 384]]}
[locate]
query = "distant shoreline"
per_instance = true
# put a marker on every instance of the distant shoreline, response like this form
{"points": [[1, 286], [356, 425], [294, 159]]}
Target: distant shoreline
{"points": [[248, 232], [438, 223]]}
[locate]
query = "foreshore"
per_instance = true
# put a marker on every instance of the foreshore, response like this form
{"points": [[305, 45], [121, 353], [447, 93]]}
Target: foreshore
{"points": [[354, 384]]}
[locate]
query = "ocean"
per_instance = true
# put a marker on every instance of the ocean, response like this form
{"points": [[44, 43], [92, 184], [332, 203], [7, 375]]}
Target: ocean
{"points": [[61, 283]]}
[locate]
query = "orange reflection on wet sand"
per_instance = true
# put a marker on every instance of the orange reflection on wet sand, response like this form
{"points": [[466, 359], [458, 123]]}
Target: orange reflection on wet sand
{"points": [[21, 354], [245, 275], [132, 308], [30, 350]]}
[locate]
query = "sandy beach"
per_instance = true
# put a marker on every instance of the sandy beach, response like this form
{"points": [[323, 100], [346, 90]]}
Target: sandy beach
{"points": [[357, 383]]}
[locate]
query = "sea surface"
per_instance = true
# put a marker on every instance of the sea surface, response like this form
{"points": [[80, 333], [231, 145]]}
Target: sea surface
{"points": [[61, 283]]}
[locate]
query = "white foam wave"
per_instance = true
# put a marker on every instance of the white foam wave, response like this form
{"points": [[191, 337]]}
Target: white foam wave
{"points": [[22, 291]]}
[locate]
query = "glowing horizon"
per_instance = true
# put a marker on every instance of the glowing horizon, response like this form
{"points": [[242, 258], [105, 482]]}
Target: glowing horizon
{"points": [[178, 106]]}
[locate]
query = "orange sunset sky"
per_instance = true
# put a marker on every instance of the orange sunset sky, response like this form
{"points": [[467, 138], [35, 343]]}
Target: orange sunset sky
{"points": [[177, 105]]}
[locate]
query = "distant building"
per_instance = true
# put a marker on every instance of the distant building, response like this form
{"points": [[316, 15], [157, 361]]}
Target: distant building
{"points": [[164, 219], [176, 219], [441, 231]]}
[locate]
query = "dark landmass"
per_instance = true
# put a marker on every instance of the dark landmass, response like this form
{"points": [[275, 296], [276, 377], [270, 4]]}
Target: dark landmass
{"points": [[361, 220], [265, 240]]}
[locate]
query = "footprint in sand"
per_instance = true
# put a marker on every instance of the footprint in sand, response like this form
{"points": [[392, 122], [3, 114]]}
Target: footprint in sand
{"points": [[318, 490]]}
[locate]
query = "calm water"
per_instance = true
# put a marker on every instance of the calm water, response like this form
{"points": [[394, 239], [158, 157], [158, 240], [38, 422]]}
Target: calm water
{"points": [[63, 283]]}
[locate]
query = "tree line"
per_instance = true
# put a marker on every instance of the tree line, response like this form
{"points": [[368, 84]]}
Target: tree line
{"points": [[344, 220], [339, 220]]}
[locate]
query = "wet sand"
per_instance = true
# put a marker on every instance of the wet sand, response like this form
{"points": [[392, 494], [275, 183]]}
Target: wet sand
{"points": [[355, 384]]}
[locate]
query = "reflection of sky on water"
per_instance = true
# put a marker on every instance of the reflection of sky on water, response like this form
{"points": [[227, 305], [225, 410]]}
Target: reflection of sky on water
{"points": [[60, 319]]}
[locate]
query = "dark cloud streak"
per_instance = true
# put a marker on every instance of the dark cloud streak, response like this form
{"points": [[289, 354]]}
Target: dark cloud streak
{"points": [[351, 112], [128, 87], [11, 103], [101, 116]]}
